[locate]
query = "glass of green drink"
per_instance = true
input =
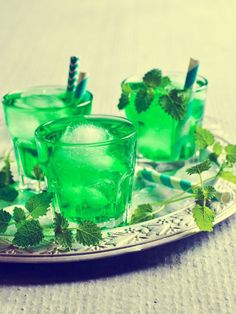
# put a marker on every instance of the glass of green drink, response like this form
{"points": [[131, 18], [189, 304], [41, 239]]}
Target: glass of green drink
{"points": [[25, 110], [164, 114], [89, 163]]}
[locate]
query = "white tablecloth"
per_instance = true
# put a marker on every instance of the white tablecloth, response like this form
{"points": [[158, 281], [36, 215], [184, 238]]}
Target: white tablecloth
{"points": [[116, 39]]}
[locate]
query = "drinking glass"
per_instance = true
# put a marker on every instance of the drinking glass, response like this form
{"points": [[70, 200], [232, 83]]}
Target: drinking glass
{"points": [[89, 163], [25, 110], [160, 137]]}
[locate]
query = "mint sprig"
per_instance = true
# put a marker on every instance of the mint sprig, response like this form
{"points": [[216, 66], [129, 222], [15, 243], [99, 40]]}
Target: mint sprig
{"points": [[223, 157], [30, 232], [173, 101], [203, 195]]}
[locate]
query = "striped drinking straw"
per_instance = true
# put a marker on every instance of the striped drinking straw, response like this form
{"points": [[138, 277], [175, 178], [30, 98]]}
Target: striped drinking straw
{"points": [[166, 180], [82, 85], [73, 74], [192, 73], [189, 82], [178, 184]]}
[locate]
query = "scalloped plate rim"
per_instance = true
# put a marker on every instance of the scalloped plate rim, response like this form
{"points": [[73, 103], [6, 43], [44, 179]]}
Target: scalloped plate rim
{"points": [[137, 247]]}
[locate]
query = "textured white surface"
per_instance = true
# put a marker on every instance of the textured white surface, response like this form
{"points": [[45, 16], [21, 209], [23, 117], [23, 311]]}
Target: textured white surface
{"points": [[116, 39]]}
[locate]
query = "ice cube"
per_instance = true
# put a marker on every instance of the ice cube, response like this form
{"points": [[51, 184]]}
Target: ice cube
{"points": [[40, 101], [85, 133]]}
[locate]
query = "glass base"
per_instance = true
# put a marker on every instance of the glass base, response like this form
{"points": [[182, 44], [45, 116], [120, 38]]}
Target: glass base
{"points": [[112, 223], [31, 184]]}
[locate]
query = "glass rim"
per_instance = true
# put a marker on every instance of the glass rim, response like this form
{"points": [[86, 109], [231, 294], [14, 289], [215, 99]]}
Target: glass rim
{"points": [[198, 78], [41, 138], [5, 101]]}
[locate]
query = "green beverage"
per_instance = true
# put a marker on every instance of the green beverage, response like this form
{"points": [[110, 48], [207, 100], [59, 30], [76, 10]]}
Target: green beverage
{"points": [[25, 110], [89, 165], [164, 114]]}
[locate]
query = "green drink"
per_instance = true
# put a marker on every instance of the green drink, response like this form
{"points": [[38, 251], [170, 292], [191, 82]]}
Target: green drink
{"points": [[164, 114], [89, 165], [26, 110]]}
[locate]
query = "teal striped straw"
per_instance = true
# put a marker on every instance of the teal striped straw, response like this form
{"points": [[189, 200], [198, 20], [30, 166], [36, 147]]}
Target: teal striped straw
{"points": [[178, 184], [73, 74], [82, 85], [166, 180], [192, 73], [189, 82]]}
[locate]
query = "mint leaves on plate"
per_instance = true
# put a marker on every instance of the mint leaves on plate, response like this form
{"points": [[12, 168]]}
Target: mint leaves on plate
{"points": [[203, 195]]}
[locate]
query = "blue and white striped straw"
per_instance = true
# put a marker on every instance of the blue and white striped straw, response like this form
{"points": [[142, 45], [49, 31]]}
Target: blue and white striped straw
{"points": [[82, 85], [73, 74], [189, 82], [192, 73]]}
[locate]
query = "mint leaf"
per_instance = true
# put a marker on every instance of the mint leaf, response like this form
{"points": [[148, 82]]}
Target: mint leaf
{"points": [[142, 213], [38, 204], [28, 234], [204, 194], [8, 194], [5, 218], [153, 78], [18, 215], [143, 99], [230, 150], [6, 170], [165, 81], [203, 138], [123, 101], [217, 149], [126, 89], [204, 217], [88, 233], [228, 176], [2, 179], [63, 235], [38, 173], [174, 104], [199, 168], [209, 192]]}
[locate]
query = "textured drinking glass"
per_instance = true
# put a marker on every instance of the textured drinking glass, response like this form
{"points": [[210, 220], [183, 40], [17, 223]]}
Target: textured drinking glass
{"points": [[25, 110], [160, 137], [89, 163]]}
